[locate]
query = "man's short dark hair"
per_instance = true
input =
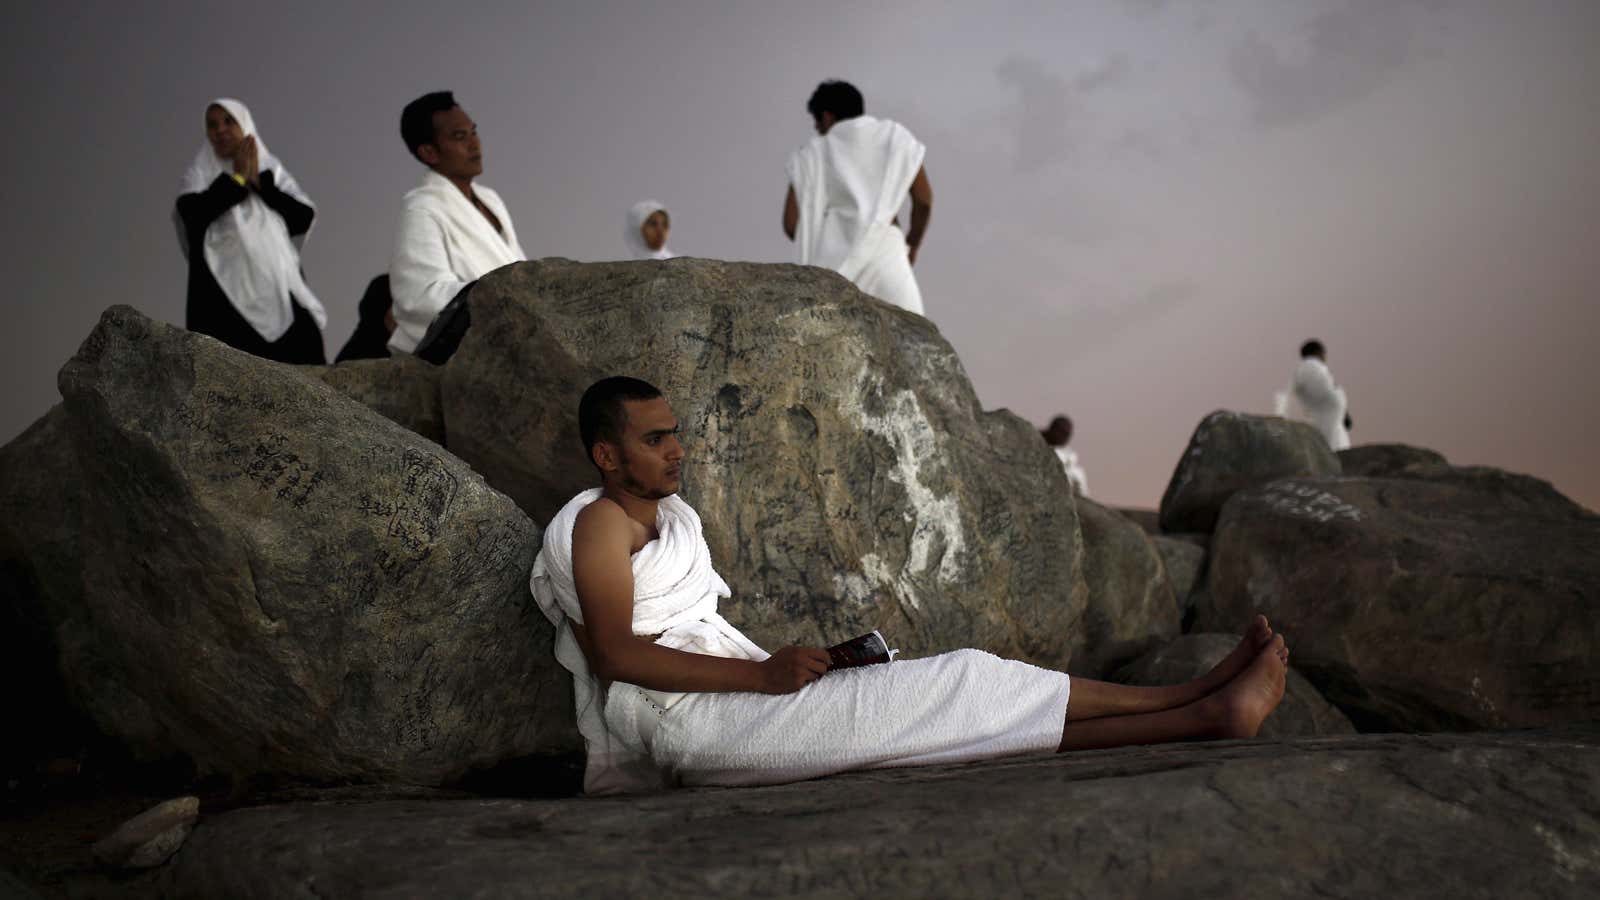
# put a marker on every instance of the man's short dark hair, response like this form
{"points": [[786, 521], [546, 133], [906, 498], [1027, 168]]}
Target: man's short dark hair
{"points": [[1057, 425], [838, 97], [416, 120], [602, 415], [1312, 348]]}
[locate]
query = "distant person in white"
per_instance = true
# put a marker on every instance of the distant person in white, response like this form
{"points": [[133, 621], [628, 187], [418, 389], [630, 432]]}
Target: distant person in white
{"points": [[1313, 397], [1058, 435], [845, 187], [647, 229], [452, 232]]}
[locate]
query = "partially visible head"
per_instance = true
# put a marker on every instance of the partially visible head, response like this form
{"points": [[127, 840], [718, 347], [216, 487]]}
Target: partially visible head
{"points": [[630, 434], [441, 135], [1312, 348], [648, 226], [228, 122], [1059, 433], [654, 230], [834, 101]]}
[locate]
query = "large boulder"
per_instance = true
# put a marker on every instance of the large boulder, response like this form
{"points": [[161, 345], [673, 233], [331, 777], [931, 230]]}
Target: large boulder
{"points": [[39, 508], [259, 573], [1230, 451], [1303, 712], [1132, 607], [1420, 604], [402, 389], [1443, 816], [847, 478]]}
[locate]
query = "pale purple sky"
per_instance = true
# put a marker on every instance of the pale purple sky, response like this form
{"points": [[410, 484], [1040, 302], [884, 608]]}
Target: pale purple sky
{"points": [[1142, 207]]}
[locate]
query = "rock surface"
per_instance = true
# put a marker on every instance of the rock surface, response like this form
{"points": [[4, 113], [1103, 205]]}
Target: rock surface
{"points": [[1185, 564], [1303, 712], [38, 510], [247, 568], [1490, 815], [1131, 607], [1421, 604], [1386, 460], [846, 476], [1148, 519], [150, 838], [402, 389], [14, 888], [1230, 451]]}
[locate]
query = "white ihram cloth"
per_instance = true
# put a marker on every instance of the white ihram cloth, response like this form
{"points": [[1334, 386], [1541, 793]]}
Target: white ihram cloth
{"points": [[849, 183], [248, 248], [1313, 397], [1074, 470], [443, 243], [637, 215], [955, 707]]}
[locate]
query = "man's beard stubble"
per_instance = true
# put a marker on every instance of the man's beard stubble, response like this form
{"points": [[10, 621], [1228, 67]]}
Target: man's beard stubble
{"points": [[635, 487]]}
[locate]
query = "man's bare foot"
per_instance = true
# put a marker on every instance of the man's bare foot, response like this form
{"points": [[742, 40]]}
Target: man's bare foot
{"points": [[1257, 636], [1238, 710]]}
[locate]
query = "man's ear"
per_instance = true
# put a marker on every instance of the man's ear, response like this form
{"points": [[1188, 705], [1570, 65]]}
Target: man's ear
{"points": [[604, 454], [428, 153]]}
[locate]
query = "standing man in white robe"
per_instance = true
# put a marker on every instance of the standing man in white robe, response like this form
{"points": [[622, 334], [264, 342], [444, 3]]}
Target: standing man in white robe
{"points": [[1314, 398], [845, 187], [452, 232], [1058, 435]]}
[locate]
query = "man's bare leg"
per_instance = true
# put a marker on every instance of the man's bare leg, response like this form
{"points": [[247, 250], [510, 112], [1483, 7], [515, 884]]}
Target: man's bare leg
{"points": [[1235, 711], [1091, 699]]}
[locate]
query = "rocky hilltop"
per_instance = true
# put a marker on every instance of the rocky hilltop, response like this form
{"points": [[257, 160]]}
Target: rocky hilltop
{"points": [[317, 576]]}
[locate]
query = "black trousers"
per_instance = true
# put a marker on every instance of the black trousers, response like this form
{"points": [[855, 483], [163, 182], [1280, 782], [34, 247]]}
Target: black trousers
{"points": [[215, 316]]}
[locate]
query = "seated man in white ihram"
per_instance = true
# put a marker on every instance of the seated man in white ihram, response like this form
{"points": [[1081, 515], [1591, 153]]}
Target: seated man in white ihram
{"points": [[845, 187], [452, 232], [1313, 397], [669, 692]]}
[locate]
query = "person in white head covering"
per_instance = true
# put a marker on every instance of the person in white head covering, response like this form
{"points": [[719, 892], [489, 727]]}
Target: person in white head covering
{"points": [[845, 187], [241, 218], [646, 234]]}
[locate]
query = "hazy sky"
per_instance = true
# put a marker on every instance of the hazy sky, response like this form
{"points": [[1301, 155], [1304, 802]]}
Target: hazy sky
{"points": [[1141, 207]]}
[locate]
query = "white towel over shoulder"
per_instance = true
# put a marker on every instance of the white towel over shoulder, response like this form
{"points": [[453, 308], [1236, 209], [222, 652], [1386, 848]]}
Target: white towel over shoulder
{"points": [[443, 243], [849, 183]]}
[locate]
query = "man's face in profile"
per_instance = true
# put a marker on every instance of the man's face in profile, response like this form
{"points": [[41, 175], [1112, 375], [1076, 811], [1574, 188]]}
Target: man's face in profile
{"points": [[455, 151], [650, 455]]}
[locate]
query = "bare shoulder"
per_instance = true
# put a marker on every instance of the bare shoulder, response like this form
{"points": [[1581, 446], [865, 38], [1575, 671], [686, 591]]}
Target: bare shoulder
{"points": [[602, 521]]}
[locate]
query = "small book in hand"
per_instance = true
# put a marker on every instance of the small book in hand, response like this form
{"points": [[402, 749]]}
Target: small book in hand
{"points": [[865, 650]]}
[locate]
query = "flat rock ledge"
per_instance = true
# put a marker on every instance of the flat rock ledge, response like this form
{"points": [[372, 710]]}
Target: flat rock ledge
{"points": [[1446, 815]]}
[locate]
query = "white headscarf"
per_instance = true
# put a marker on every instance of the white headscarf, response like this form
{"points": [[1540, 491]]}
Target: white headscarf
{"points": [[641, 211], [248, 248]]}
